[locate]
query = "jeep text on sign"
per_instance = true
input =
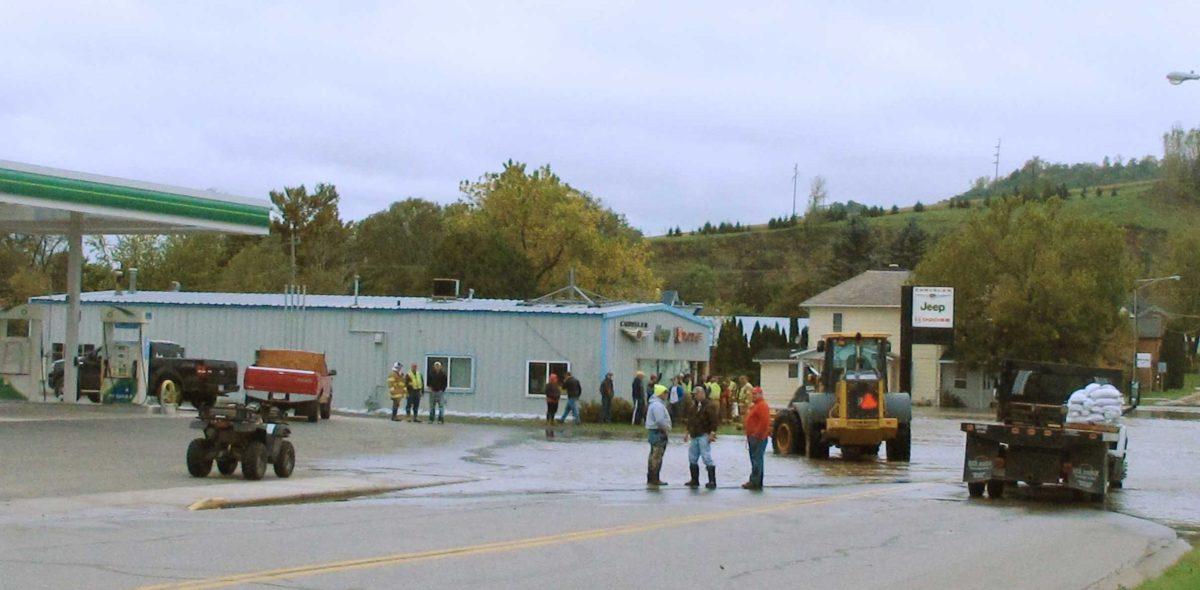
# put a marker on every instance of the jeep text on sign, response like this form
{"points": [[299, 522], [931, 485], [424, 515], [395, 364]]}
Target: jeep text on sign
{"points": [[933, 307]]}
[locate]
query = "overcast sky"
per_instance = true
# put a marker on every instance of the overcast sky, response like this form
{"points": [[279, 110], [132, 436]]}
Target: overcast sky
{"points": [[671, 114]]}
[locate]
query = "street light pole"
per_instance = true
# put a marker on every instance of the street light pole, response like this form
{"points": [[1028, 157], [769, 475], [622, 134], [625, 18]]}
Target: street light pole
{"points": [[1140, 284]]}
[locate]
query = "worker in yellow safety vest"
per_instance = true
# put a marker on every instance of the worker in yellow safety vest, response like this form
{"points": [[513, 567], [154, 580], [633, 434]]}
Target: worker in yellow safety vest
{"points": [[397, 387]]}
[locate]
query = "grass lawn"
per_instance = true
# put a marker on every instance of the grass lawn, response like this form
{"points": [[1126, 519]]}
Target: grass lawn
{"points": [[1184, 575], [1190, 382]]}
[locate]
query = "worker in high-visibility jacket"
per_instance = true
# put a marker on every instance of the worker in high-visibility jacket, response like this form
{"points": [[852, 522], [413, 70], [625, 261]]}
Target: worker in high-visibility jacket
{"points": [[397, 387]]}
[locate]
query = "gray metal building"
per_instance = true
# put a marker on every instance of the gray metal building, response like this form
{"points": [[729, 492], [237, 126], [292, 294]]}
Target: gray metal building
{"points": [[498, 351]]}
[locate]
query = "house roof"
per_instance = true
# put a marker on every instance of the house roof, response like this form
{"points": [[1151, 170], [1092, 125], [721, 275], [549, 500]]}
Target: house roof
{"points": [[375, 303], [1151, 324], [773, 354], [873, 288]]}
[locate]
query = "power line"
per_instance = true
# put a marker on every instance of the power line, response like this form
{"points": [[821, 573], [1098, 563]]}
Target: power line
{"points": [[795, 180]]}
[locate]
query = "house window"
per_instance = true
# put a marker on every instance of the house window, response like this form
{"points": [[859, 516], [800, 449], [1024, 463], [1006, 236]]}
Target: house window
{"points": [[538, 373], [837, 321], [793, 370], [460, 372], [960, 377]]}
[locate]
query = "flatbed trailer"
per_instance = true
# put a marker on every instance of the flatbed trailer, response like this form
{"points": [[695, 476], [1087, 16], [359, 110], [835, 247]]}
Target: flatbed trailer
{"points": [[1031, 441]]}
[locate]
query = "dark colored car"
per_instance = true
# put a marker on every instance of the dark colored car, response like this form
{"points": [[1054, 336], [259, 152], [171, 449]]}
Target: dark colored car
{"points": [[172, 376]]}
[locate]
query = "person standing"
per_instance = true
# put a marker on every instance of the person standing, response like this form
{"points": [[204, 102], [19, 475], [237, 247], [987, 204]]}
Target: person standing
{"points": [[397, 388], [639, 398], [606, 397], [758, 427], [574, 390], [437, 392], [552, 392], [744, 395], [658, 424], [703, 418], [726, 401], [676, 397]]}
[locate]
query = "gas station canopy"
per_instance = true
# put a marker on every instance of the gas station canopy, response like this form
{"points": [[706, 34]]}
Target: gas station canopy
{"points": [[38, 200]]}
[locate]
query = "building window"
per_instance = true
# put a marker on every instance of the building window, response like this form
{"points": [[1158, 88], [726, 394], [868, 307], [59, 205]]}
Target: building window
{"points": [[793, 370], [460, 372], [960, 377], [538, 373], [837, 321]]}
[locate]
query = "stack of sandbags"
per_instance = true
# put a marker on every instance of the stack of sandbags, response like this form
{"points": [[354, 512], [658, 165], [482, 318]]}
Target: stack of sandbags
{"points": [[1095, 404]]}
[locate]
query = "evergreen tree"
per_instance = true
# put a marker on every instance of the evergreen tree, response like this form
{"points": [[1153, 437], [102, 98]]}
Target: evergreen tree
{"points": [[909, 246], [853, 250], [895, 209], [918, 208]]}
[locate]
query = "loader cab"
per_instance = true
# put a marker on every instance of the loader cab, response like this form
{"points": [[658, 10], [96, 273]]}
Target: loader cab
{"points": [[854, 357]]}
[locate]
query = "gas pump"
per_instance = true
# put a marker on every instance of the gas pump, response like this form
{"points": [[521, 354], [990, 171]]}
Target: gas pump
{"points": [[126, 355]]}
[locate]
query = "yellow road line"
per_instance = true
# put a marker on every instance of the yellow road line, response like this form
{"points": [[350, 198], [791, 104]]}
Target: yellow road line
{"points": [[502, 546]]}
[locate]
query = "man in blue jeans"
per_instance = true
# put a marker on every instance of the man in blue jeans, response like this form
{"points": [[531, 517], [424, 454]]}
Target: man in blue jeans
{"points": [[703, 418], [758, 428], [574, 390]]}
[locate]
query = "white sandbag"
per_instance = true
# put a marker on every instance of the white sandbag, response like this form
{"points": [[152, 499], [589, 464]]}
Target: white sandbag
{"points": [[1105, 394], [1112, 414], [1106, 403], [1077, 397], [1087, 404], [1092, 387]]}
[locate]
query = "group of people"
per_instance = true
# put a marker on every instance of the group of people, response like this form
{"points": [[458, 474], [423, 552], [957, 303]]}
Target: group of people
{"points": [[732, 398], [702, 419], [408, 387]]}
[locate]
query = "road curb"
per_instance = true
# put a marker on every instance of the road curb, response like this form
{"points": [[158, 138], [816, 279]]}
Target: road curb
{"points": [[216, 503], [1167, 412], [1150, 566]]}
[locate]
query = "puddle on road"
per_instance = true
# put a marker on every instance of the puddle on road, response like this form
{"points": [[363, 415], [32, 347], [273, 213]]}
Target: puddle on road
{"points": [[1164, 469]]}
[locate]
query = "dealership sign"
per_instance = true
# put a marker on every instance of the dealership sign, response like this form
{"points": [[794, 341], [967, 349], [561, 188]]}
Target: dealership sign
{"points": [[683, 336], [933, 307]]}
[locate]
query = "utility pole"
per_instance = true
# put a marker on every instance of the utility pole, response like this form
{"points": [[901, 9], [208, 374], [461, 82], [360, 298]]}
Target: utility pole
{"points": [[996, 174], [293, 240], [795, 181]]}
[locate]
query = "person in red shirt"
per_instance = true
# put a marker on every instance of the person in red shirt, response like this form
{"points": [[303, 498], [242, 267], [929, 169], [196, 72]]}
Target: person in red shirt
{"points": [[758, 427]]}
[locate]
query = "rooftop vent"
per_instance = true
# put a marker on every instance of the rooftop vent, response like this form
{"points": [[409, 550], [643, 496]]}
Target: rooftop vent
{"points": [[445, 289]]}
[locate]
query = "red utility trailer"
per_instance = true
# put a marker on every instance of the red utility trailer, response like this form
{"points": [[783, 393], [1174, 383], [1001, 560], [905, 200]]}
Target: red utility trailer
{"points": [[291, 379]]}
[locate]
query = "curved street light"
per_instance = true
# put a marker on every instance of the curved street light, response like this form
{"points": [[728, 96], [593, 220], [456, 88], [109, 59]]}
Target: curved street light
{"points": [[1178, 78]]}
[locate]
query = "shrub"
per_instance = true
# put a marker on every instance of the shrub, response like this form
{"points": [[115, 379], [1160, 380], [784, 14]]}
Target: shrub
{"points": [[622, 411], [589, 412]]}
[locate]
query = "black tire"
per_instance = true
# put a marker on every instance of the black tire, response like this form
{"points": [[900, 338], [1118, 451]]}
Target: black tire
{"points": [[1116, 484], [326, 410], [852, 452], [285, 462], [227, 465], [995, 488], [815, 448], [199, 458], [900, 448], [94, 397], [254, 461], [785, 436], [313, 411], [975, 489]]}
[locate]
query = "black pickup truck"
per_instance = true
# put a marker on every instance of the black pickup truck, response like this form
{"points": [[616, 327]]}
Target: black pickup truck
{"points": [[172, 376]]}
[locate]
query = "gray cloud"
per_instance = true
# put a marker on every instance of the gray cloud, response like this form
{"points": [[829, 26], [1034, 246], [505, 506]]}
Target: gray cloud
{"points": [[673, 113]]}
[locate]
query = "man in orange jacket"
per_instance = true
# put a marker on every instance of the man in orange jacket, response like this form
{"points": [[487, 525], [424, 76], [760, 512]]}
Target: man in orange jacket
{"points": [[758, 428]]}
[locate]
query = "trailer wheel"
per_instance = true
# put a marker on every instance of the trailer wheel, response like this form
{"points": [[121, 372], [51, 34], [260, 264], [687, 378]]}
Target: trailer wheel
{"points": [[326, 410], [786, 435], [975, 489], [313, 411], [254, 461], [995, 488], [199, 460], [1116, 484], [286, 461], [227, 465]]}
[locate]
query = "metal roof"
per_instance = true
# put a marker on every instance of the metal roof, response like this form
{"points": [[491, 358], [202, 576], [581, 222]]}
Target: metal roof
{"points": [[873, 288], [41, 200], [375, 303]]}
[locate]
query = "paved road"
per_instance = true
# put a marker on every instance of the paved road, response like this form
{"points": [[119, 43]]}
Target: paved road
{"points": [[571, 513]]}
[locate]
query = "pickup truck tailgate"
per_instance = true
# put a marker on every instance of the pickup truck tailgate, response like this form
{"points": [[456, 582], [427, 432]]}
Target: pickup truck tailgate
{"points": [[276, 380]]}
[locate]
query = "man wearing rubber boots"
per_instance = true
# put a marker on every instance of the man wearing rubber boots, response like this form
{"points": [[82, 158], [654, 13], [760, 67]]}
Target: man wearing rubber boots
{"points": [[703, 417], [758, 427], [658, 424]]}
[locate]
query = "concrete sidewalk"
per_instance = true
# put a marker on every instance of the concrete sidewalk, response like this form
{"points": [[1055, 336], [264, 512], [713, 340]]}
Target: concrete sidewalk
{"points": [[1168, 412]]}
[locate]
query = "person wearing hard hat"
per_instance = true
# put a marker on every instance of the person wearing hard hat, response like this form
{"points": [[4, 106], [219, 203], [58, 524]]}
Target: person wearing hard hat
{"points": [[397, 388], [658, 424]]}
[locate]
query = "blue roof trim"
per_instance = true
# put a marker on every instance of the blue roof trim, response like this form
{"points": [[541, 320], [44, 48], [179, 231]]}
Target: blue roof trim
{"points": [[700, 320]]}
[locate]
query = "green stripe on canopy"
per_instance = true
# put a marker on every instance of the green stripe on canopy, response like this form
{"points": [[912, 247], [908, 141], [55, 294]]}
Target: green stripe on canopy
{"points": [[86, 192]]}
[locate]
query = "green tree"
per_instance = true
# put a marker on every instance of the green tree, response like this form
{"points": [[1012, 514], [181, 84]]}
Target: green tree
{"points": [[909, 245], [313, 218], [1033, 281], [194, 260], [732, 350], [918, 208], [394, 250], [260, 267], [853, 250]]}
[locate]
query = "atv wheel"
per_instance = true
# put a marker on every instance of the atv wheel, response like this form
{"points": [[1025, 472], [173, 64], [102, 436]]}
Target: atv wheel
{"points": [[995, 488], [254, 461], [313, 411], [286, 461], [227, 465], [975, 489], [326, 410], [199, 460]]}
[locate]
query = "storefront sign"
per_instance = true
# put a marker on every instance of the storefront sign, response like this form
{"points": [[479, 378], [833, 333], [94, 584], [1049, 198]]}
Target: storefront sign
{"points": [[662, 334], [1143, 360], [933, 307], [684, 337], [630, 324]]}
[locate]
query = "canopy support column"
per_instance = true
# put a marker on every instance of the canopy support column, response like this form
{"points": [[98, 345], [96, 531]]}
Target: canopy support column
{"points": [[74, 287]]}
